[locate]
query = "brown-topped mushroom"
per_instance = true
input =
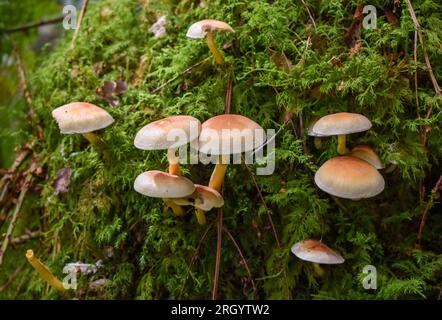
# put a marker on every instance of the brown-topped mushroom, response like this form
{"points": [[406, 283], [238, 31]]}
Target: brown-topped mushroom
{"points": [[340, 124], [168, 134], [159, 184], [205, 28], [83, 118], [225, 135], [317, 252], [349, 177], [366, 153]]}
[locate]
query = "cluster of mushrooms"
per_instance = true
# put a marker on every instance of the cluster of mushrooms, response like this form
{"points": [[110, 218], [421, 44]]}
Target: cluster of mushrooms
{"points": [[352, 175]]}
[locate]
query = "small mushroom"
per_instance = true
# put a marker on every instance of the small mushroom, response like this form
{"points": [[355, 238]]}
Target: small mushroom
{"points": [[158, 184], [84, 118], [205, 28], [349, 177], [220, 135], [340, 124], [203, 199], [162, 135], [317, 252], [366, 153]]}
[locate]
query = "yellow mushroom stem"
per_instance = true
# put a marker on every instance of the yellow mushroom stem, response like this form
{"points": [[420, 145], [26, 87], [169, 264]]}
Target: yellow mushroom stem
{"points": [[178, 211], [212, 47], [342, 149], [96, 141], [44, 271], [318, 270], [200, 217], [218, 174], [318, 143], [174, 162]]}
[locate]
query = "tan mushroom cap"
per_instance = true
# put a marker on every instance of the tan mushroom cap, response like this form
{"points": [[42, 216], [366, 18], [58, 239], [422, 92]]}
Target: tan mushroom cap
{"points": [[169, 132], [158, 184], [340, 123], [366, 153], [81, 117], [207, 198], [230, 134], [199, 29], [349, 177], [317, 252]]}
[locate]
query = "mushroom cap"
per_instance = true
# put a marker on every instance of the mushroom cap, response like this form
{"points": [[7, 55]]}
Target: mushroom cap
{"points": [[316, 251], [340, 123], [199, 29], [349, 177], [158, 184], [310, 129], [81, 117], [207, 198], [366, 153], [230, 134], [169, 132]]}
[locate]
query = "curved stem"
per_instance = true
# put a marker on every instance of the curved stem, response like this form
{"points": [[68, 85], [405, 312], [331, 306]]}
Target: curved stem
{"points": [[218, 174], [342, 149], [212, 46], [44, 271], [201, 217], [96, 141], [178, 211]]}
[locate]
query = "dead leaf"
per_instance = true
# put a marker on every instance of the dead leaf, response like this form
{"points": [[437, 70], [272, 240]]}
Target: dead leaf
{"points": [[63, 180], [354, 31], [111, 90]]}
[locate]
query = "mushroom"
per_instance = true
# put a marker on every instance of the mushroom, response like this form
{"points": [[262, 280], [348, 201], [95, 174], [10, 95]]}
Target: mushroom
{"points": [[203, 199], [84, 118], [228, 134], [366, 153], [317, 252], [349, 177], [162, 134], [205, 28], [159, 184], [340, 124]]}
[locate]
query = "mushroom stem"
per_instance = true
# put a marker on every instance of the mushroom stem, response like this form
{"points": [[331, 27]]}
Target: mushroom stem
{"points": [[96, 141], [342, 149], [174, 164], [44, 271], [318, 270], [212, 46], [218, 174], [177, 210], [201, 217], [318, 143]]}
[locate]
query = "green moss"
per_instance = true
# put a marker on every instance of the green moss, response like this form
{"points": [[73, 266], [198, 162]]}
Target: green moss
{"points": [[152, 249]]}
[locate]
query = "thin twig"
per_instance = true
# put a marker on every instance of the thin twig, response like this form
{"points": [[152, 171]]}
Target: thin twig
{"points": [[194, 256], [427, 209], [181, 74], [16, 213], [219, 239], [80, 20], [26, 93], [34, 24], [219, 217], [13, 276], [246, 266], [427, 59], [309, 14], [29, 235]]}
